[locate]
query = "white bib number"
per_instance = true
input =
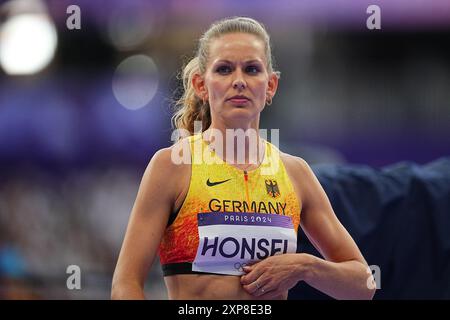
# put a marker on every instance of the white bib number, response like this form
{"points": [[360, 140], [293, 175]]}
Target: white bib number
{"points": [[229, 241]]}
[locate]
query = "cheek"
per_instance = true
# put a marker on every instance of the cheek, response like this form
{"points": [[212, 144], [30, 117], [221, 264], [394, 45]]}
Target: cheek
{"points": [[260, 89], [217, 90]]}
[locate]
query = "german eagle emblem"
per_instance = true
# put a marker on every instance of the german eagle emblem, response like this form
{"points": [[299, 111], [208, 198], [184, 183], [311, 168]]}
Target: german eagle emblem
{"points": [[272, 188]]}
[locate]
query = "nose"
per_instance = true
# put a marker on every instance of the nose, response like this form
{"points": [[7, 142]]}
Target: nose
{"points": [[239, 85], [239, 82]]}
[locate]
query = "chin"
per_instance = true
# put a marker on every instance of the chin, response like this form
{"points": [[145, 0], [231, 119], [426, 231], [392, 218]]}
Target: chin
{"points": [[240, 115], [242, 111]]}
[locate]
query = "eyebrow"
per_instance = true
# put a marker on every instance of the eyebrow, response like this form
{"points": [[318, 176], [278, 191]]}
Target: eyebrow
{"points": [[231, 62]]}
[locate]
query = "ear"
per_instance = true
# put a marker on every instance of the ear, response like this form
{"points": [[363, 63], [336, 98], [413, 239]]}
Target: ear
{"points": [[199, 87], [272, 85]]}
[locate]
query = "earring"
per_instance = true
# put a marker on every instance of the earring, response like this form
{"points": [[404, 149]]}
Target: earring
{"points": [[269, 100]]}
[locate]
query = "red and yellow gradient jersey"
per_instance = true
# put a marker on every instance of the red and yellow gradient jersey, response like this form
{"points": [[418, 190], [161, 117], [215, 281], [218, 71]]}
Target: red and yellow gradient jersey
{"points": [[216, 186]]}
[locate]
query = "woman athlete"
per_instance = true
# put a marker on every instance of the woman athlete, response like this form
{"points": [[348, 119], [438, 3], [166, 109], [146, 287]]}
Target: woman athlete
{"points": [[225, 225]]}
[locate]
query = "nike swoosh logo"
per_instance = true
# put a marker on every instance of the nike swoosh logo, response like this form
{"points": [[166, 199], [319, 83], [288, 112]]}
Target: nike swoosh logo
{"points": [[210, 184]]}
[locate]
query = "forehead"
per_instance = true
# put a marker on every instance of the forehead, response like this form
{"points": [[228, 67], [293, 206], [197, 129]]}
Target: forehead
{"points": [[236, 47]]}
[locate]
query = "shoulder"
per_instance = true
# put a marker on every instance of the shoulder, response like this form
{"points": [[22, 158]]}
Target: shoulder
{"points": [[172, 159], [169, 164], [162, 160], [300, 174], [295, 165]]}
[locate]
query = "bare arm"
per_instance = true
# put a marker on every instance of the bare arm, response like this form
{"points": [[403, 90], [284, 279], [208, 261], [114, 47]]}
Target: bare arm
{"points": [[343, 275], [155, 199]]}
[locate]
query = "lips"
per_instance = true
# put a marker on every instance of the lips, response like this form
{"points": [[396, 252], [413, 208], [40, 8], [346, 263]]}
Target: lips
{"points": [[239, 99]]}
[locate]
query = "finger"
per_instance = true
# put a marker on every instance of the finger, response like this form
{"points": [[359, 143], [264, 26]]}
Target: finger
{"points": [[251, 276], [255, 286], [263, 291], [249, 266]]}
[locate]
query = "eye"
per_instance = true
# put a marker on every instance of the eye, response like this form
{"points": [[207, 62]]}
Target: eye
{"points": [[223, 69], [252, 69]]}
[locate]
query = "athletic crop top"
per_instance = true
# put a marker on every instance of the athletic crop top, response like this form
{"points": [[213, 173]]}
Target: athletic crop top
{"points": [[230, 217]]}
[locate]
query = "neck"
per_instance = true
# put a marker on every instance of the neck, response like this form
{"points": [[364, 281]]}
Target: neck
{"points": [[240, 146]]}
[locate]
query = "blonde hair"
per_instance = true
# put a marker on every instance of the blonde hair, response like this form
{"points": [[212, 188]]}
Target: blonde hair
{"points": [[190, 107]]}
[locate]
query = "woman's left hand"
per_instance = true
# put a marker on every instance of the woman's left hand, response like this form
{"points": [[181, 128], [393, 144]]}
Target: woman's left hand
{"points": [[275, 275]]}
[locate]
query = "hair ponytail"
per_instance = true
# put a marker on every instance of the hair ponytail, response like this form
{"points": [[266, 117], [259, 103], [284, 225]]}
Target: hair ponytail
{"points": [[191, 108]]}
